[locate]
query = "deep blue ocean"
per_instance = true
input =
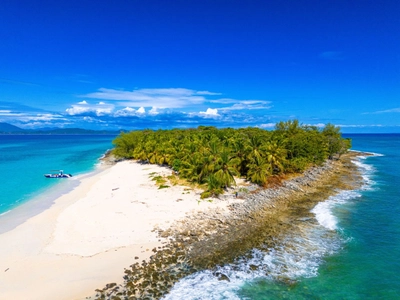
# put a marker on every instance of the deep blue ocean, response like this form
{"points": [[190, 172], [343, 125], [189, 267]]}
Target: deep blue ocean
{"points": [[349, 250]]}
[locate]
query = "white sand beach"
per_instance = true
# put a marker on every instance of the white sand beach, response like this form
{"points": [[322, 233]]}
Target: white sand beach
{"points": [[90, 234]]}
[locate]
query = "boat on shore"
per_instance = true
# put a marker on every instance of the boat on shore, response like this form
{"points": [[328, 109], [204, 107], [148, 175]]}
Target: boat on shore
{"points": [[60, 174]]}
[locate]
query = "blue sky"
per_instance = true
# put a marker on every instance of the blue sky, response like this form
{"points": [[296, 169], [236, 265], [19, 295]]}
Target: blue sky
{"points": [[162, 64]]}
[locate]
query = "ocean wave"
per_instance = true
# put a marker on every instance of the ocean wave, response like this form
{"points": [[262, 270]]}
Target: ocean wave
{"points": [[369, 153], [367, 171], [324, 210], [298, 256]]}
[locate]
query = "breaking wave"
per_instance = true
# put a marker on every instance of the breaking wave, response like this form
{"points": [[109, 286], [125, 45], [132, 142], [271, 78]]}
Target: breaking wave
{"points": [[298, 256]]}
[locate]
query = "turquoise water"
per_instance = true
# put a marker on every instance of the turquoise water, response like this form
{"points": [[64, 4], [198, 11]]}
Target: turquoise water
{"points": [[349, 250], [25, 158]]}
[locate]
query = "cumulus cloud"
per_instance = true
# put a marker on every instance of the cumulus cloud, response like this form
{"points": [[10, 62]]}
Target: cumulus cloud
{"points": [[169, 98], [154, 111], [210, 113], [161, 98], [84, 107], [130, 112], [163, 107]]}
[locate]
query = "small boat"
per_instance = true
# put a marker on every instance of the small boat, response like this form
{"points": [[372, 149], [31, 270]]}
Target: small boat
{"points": [[60, 174]]}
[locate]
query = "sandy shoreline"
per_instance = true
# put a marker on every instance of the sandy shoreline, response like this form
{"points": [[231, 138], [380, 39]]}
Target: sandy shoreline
{"points": [[90, 234], [259, 218]]}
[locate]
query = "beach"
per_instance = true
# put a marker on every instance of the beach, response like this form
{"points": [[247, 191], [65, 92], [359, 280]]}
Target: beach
{"points": [[118, 217], [90, 234]]}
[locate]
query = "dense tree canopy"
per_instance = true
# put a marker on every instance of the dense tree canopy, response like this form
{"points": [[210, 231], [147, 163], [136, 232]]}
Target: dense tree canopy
{"points": [[214, 157]]}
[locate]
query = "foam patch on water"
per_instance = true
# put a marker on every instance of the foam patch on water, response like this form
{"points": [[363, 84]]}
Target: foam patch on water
{"points": [[324, 210], [298, 256], [369, 153], [367, 172]]}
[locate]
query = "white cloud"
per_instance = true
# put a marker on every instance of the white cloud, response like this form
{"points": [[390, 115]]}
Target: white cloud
{"points": [[33, 116], [319, 125], [224, 101], [210, 112], [249, 105], [130, 112], [154, 101], [84, 107], [161, 98], [154, 111], [126, 112], [360, 126], [43, 117], [207, 93], [243, 104], [393, 110], [267, 125]]}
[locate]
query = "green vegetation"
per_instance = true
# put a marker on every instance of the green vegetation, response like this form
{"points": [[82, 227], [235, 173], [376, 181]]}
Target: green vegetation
{"points": [[213, 157]]}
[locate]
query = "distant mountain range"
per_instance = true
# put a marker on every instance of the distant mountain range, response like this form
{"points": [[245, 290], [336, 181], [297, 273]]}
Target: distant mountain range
{"points": [[6, 128]]}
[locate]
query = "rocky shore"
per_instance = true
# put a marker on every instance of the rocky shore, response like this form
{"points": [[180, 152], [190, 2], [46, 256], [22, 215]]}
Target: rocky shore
{"points": [[259, 218]]}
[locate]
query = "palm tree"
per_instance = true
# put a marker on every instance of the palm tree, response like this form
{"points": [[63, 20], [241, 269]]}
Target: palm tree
{"points": [[213, 187], [239, 152], [151, 150], [191, 169], [226, 169], [275, 156], [164, 156], [259, 169], [254, 147]]}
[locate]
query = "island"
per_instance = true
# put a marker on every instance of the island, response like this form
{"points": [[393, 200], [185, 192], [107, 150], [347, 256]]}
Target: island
{"points": [[168, 203]]}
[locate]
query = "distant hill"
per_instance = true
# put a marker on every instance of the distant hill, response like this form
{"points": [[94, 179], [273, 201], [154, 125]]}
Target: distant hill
{"points": [[6, 128]]}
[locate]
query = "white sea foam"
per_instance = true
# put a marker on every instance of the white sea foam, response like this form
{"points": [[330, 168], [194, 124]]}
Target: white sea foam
{"points": [[324, 210], [298, 256], [6, 212], [369, 153], [366, 173]]}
